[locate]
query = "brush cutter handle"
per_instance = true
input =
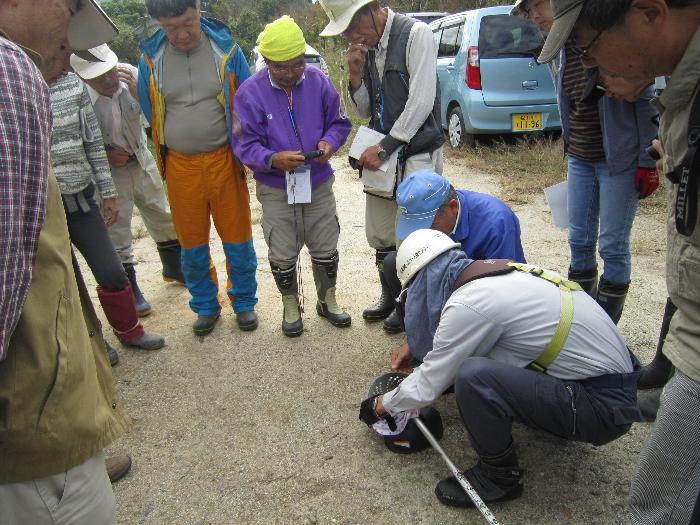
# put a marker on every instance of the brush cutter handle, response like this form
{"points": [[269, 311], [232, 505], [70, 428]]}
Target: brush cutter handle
{"points": [[473, 495]]}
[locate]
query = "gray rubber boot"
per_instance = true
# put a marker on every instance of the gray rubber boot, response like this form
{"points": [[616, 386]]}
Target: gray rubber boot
{"points": [[112, 354], [325, 276], [611, 296], [588, 279], [147, 341], [143, 307], [286, 280]]}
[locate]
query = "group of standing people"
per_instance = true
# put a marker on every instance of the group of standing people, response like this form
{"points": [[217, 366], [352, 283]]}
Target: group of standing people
{"points": [[501, 339], [513, 341]]}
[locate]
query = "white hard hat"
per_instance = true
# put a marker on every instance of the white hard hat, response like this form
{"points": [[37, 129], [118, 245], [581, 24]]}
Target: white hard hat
{"points": [[340, 13], [102, 60], [419, 248]]}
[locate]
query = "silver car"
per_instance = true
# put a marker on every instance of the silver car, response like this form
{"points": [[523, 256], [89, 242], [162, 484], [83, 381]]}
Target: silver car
{"points": [[490, 81]]}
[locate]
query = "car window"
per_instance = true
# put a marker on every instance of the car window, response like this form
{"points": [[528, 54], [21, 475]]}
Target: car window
{"points": [[508, 36], [450, 40], [437, 32]]}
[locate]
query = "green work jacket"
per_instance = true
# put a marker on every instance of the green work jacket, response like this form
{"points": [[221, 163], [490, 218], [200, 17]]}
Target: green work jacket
{"points": [[683, 253], [57, 403]]}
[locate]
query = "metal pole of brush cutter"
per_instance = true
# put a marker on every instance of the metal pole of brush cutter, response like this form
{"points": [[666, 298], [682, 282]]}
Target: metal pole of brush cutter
{"points": [[476, 499]]}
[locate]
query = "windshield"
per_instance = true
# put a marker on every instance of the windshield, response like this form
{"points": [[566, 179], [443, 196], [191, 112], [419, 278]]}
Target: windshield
{"points": [[508, 36]]}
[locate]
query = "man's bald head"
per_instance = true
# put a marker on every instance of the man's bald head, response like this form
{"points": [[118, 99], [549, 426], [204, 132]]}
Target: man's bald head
{"points": [[41, 25]]}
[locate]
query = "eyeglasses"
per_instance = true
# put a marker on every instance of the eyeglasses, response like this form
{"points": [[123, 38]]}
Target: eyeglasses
{"points": [[582, 52], [291, 68]]}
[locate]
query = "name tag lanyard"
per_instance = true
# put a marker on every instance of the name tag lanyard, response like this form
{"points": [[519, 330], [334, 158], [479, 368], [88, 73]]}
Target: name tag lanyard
{"points": [[297, 134], [295, 128]]}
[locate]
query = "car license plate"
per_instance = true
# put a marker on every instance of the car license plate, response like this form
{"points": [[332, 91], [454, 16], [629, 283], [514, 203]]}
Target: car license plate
{"points": [[527, 121]]}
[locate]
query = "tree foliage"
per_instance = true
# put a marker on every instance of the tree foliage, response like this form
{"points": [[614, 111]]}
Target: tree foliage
{"points": [[129, 15], [247, 19]]}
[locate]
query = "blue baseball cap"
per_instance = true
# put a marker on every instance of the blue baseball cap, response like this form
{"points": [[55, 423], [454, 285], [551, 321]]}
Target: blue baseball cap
{"points": [[419, 197]]}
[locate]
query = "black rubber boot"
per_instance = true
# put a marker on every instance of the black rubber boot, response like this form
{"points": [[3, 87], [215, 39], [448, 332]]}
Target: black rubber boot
{"points": [[204, 324], [657, 373], [169, 252], [247, 321], [142, 306], [286, 280], [325, 276], [588, 279], [493, 482], [392, 324], [649, 403], [611, 296], [385, 305]]}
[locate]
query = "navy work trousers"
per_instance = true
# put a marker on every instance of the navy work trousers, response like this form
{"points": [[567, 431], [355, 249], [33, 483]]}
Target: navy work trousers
{"points": [[88, 233], [491, 395]]}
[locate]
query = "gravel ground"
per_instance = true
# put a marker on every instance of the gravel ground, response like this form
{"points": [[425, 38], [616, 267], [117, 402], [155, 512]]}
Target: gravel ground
{"points": [[258, 428]]}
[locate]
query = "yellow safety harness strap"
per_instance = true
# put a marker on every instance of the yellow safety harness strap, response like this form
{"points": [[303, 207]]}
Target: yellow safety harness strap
{"points": [[561, 334]]}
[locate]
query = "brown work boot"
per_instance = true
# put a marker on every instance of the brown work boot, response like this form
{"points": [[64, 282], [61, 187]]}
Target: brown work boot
{"points": [[117, 467]]}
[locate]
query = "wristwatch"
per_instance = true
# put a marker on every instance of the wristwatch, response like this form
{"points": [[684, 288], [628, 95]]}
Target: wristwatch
{"points": [[381, 152]]}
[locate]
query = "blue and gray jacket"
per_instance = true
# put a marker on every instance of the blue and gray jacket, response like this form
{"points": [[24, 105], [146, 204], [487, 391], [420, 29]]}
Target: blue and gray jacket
{"points": [[628, 127]]}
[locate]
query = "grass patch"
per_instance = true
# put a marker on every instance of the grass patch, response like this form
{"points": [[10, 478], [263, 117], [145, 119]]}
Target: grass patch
{"points": [[526, 164], [523, 165]]}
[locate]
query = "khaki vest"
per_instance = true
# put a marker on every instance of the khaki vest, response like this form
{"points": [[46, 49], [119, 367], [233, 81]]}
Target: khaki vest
{"points": [[57, 403]]}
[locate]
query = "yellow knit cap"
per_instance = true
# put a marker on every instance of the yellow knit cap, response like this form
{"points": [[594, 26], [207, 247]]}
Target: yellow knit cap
{"points": [[282, 40]]}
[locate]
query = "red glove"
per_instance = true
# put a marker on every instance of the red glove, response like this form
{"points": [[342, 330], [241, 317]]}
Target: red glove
{"points": [[646, 180]]}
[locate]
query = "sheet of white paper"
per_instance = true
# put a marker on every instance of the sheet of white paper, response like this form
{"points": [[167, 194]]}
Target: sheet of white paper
{"points": [[382, 179], [299, 185], [556, 198], [364, 138]]}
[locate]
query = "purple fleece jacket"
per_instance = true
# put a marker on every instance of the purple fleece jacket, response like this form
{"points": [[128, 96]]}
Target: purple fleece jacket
{"points": [[263, 125]]}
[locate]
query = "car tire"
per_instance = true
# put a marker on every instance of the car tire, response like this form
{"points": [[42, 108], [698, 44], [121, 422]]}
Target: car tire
{"points": [[457, 134]]}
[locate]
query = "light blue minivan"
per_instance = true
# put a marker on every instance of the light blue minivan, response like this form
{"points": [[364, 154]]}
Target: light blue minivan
{"points": [[490, 81]]}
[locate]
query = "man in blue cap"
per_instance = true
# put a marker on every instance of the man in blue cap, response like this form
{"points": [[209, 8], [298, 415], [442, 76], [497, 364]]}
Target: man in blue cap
{"points": [[484, 225]]}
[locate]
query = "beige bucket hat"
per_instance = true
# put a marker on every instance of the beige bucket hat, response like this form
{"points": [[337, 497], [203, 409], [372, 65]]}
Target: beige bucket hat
{"points": [[340, 13], [102, 60]]}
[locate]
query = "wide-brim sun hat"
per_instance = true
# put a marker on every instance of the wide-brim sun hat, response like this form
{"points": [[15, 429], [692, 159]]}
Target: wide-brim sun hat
{"points": [[340, 13], [519, 8], [89, 27], [104, 60], [566, 13]]}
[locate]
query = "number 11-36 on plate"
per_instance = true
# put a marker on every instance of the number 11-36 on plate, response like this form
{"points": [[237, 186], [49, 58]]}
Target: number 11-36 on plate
{"points": [[527, 121]]}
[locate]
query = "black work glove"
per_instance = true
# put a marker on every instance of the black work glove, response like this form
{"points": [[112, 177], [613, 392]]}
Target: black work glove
{"points": [[369, 415]]}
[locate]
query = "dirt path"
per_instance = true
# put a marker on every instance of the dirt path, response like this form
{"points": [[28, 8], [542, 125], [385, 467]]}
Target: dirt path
{"points": [[258, 428]]}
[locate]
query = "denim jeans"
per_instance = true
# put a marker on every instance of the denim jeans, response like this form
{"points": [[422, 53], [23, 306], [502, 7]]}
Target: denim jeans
{"points": [[601, 210]]}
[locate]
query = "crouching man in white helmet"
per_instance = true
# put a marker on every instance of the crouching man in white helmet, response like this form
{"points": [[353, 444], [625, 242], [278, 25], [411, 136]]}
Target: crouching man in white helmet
{"points": [[518, 343]]}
